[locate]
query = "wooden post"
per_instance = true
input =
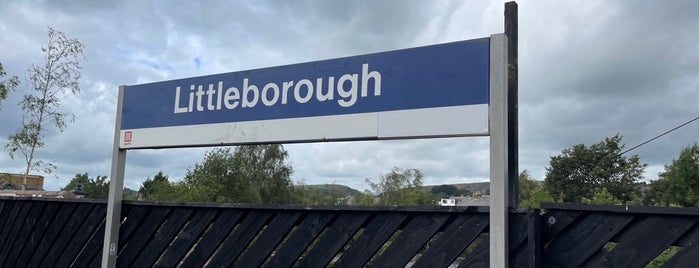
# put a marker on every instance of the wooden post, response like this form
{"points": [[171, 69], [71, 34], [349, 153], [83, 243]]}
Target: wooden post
{"points": [[512, 99]]}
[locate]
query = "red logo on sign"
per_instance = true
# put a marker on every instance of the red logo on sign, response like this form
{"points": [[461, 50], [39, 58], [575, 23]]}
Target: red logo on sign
{"points": [[127, 136]]}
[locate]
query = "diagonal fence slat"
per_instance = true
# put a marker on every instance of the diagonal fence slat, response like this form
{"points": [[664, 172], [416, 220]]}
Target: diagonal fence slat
{"points": [[572, 248], [656, 233], [299, 240], [22, 238], [337, 234], [454, 240], [262, 247], [413, 237], [162, 238], [212, 238], [687, 255], [240, 238], [187, 238], [375, 234]]}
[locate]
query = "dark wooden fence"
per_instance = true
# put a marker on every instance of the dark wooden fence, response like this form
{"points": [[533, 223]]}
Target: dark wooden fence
{"points": [[37, 232], [619, 236], [64, 233]]}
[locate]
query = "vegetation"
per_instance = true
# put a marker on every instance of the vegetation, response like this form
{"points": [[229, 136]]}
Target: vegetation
{"points": [[400, 187], [6, 85], [679, 183], [580, 172], [60, 72], [95, 188]]}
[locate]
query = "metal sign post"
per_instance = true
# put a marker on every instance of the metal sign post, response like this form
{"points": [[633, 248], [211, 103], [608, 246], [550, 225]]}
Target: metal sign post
{"points": [[116, 189], [499, 192]]}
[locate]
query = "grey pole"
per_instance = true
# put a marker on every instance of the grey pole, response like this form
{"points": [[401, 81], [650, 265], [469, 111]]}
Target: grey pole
{"points": [[116, 189], [499, 193]]}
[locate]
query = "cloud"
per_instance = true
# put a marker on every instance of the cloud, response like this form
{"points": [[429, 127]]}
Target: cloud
{"points": [[588, 70]]}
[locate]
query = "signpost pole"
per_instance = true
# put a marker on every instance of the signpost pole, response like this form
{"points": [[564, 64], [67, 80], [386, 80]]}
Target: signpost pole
{"points": [[116, 189], [499, 169], [512, 91]]}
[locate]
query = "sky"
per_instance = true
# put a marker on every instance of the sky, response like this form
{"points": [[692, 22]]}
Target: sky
{"points": [[587, 70]]}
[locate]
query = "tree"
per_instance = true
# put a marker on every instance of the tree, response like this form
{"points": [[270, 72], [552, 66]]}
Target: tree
{"points": [[160, 188], [266, 167], [95, 188], [6, 85], [527, 185], [251, 174], [579, 172], [401, 187], [59, 73], [679, 183], [218, 179]]}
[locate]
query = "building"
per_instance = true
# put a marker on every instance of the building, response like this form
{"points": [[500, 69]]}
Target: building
{"points": [[9, 181]]}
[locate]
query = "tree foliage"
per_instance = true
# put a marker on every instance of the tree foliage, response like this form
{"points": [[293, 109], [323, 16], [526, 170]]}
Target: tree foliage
{"points": [[94, 188], [6, 85], [532, 192], [59, 73], [400, 187], [580, 172], [249, 174], [679, 183]]}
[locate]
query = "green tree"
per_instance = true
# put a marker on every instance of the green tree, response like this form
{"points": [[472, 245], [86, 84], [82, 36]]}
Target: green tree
{"points": [[94, 188], [160, 188], [527, 185], [579, 172], [267, 168], [250, 174], [219, 179], [6, 85], [679, 183], [60, 72], [532, 192], [400, 187]]}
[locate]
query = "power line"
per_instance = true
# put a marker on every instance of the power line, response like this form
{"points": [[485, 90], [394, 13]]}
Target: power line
{"points": [[663, 134]]}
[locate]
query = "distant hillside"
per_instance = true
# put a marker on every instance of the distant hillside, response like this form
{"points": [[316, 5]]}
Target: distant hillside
{"points": [[325, 189], [482, 187]]}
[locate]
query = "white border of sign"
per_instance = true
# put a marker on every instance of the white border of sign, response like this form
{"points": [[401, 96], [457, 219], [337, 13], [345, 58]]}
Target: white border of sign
{"points": [[496, 112]]}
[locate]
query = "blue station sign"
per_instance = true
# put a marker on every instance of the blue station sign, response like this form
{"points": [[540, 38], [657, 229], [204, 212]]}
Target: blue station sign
{"points": [[432, 91]]}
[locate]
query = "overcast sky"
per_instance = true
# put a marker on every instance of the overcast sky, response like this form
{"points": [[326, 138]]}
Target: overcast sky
{"points": [[588, 70]]}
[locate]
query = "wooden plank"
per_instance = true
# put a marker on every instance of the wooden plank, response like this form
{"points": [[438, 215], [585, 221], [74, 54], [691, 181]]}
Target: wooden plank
{"points": [[24, 210], [8, 221], [262, 247], [81, 236], [11, 223], [687, 256], [186, 239], [167, 232], [212, 238], [418, 231], [43, 225], [133, 249], [642, 241], [131, 222], [479, 256], [329, 244], [240, 238], [376, 233], [555, 221], [91, 249], [577, 243], [307, 231], [4, 204], [456, 237], [57, 226], [24, 234], [73, 224]]}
